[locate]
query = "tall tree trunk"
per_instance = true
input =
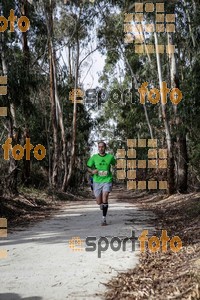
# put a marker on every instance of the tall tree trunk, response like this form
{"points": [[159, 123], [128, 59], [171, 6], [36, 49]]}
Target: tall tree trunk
{"points": [[61, 123], [182, 158], [49, 23], [58, 114], [26, 163], [54, 123], [74, 126], [182, 163], [70, 65], [170, 173]]}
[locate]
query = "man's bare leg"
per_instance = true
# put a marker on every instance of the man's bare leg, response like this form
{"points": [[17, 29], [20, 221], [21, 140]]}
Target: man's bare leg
{"points": [[99, 199], [105, 197], [105, 206]]}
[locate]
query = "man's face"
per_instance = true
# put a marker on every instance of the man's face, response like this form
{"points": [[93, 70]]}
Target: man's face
{"points": [[101, 148]]}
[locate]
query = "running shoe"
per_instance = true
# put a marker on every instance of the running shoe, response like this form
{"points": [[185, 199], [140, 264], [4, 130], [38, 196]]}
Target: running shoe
{"points": [[103, 223]]}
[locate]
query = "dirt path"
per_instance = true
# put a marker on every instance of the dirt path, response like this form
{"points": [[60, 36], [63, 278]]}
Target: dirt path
{"points": [[41, 265]]}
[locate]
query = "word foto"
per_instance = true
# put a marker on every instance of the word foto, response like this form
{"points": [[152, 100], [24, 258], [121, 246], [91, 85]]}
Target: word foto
{"points": [[18, 150], [154, 242], [154, 94], [23, 22]]}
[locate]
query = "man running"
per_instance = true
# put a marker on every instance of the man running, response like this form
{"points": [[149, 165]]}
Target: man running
{"points": [[102, 179]]}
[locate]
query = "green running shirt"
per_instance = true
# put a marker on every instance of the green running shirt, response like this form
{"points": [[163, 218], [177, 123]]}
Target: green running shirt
{"points": [[102, 164]]}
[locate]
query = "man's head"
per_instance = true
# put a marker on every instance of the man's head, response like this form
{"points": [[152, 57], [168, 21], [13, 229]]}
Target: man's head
{"points": [[101, 147]]}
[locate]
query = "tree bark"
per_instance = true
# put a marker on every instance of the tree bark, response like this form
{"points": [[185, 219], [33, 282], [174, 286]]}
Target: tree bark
{"points": [[182, 164], [181, 145], [49, 23], [74, 125], [26, 163], [58, 114], [170, 173]]}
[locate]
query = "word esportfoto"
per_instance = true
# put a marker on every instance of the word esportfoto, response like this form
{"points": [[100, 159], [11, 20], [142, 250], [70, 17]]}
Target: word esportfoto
{"points": [[93, 96], [12, 18], [18, 150]]}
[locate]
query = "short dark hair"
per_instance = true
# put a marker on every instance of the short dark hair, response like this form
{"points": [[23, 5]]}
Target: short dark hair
{"points": [[102, 142]]}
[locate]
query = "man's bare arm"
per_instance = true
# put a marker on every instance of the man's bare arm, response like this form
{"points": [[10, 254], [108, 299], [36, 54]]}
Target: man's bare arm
{"points": [[92, 171]]}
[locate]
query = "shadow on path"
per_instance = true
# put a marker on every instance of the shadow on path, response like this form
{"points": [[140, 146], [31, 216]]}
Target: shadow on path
{"points": [[13, 296]]}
